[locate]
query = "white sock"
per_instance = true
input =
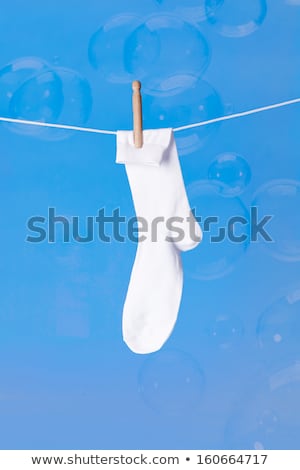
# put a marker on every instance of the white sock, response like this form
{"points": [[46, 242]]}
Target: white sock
{"points": [[155, 288]]}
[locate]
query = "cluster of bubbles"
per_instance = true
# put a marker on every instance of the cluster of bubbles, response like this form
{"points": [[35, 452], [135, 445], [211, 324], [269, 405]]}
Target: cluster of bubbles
{"points": [[148, 49], [266, 420], [168, 53], [128, 47], [31, 89], [270, 418], [166, 48], [230, 18]]}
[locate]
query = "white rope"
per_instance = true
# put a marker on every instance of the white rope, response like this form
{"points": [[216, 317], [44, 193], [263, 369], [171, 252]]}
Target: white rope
{"points": [[56, 126], [177, 129], [238, 115]]}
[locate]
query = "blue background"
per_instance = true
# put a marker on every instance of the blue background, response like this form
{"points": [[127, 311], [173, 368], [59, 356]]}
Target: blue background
{"points": [[229, 376]]}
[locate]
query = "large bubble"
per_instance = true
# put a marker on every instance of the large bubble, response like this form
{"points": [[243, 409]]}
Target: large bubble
{"points": [[270, 417], [225, 331], [281, 200], [14, 75], [278, 327], [225, 225], [167, 54], [172, 383], [236, 18], [199, 103], [106, 47], [39, 99], [233, 171], [54, 95]]}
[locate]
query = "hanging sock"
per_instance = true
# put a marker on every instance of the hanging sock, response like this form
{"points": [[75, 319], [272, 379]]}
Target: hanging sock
{"points": [[168, 227]]}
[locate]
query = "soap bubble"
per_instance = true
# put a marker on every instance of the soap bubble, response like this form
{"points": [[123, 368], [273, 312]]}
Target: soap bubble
{"points": [[270, 418], [193, 11], [236, 18], [13, 76], [106, 47], [57, 96], [225, 331], [38, 99], [167, 54], [199, 103], [213, 258], [233, 171], [281, 200], [171, 382], [279, 326]]}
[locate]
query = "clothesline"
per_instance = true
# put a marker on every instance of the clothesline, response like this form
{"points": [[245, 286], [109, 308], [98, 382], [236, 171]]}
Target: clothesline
{"points": [[177, 129]]}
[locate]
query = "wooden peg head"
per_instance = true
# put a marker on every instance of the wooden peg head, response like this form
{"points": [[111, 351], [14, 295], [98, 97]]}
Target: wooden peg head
{"points": [[136, 85]]}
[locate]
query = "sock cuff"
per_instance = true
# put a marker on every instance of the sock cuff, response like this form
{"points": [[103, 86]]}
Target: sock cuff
{"points": [[156, 142]]}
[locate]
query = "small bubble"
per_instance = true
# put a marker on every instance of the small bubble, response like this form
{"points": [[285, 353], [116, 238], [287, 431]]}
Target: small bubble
{"points": [[227, 331], [233, 171]]}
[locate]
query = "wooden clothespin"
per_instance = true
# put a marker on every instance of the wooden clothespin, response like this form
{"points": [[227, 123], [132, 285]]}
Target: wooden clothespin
{"points": [[137, 114]]}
